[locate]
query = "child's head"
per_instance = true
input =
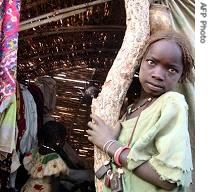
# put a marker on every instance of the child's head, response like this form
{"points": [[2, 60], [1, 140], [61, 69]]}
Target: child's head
{"points": [[165, 60], [53, 134]]}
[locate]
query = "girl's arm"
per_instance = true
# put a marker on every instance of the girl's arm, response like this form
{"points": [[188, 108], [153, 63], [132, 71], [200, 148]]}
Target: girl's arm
{"points": [[144, 171], [100, 133]]}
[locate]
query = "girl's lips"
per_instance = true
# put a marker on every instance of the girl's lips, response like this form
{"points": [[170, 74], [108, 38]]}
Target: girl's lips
{"points": [[155, 87]]}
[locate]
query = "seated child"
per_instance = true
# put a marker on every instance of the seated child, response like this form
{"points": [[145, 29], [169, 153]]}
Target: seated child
{"points": [[45, 165]]}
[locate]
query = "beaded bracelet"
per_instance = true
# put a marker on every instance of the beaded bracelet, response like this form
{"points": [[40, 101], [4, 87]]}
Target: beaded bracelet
{"points": [[117, 154]]}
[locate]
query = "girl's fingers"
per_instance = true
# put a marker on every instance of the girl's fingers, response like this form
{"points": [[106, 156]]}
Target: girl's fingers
{"points": [[90, 138], [89, 132], [97, 119], [92, 125], [90, 135]]}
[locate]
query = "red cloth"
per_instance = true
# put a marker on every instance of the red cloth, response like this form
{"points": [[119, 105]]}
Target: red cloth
{"points": [[21, 122], [9, 22]]}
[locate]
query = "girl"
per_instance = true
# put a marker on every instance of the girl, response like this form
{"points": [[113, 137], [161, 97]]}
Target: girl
{"points": [[151, 149]]}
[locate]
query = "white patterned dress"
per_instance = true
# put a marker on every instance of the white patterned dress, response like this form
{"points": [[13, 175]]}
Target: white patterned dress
{"points": [[41, 168]]}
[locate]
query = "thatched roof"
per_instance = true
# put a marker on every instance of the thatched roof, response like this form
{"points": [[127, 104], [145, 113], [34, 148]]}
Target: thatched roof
{"points": [[77, 50]]}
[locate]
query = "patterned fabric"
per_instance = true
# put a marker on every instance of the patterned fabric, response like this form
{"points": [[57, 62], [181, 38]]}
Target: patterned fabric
{"points": [[41, 169], [9, 22]]}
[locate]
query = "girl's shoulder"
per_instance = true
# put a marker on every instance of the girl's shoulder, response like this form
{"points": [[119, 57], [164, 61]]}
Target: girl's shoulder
{"points": [[172, 98], [173, 95]]}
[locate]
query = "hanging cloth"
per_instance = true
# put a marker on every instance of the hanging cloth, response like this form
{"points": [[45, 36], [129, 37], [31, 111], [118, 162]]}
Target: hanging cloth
{"points": [[29, 139], [7, 128], [21, 121], [183, 17], [39, 100], [9, 22], [48, 87]]}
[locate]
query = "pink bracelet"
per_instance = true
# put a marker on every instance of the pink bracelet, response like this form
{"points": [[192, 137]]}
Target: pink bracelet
{"points": [[117, 154]]}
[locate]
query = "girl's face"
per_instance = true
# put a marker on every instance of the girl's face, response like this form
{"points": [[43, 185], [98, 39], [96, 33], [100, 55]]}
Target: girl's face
{"points": [[161, 67]]}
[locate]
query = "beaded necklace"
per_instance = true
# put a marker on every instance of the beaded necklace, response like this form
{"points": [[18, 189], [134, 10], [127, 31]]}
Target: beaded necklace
{"points": [[48, 148], [135, 109]]}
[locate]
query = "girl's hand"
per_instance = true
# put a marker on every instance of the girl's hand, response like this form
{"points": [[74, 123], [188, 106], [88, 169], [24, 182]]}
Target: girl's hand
{"points": [[100, 132]]}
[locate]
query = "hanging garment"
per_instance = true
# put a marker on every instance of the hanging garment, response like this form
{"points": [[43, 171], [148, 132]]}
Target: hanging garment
{"points": [[39, 100], [13, 170], [21, 122], [9, 22], [7, 128], [183, 17], [15, 162], [48, 88], [29, 139]]}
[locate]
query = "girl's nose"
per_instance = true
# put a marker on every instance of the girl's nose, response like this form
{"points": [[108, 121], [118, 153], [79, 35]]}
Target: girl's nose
{"points": [[159, 73]]}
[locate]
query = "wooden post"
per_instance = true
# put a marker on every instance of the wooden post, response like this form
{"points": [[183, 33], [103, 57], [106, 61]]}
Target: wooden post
{"points": [[109, 102]]}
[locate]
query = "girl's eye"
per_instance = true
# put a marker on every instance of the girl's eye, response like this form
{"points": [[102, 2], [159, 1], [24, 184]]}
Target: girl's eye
{"points": [[171, 70], [150, 62]]}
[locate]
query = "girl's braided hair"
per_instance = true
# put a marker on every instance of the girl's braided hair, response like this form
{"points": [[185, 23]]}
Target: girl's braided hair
{"points": [[182, 41]]}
